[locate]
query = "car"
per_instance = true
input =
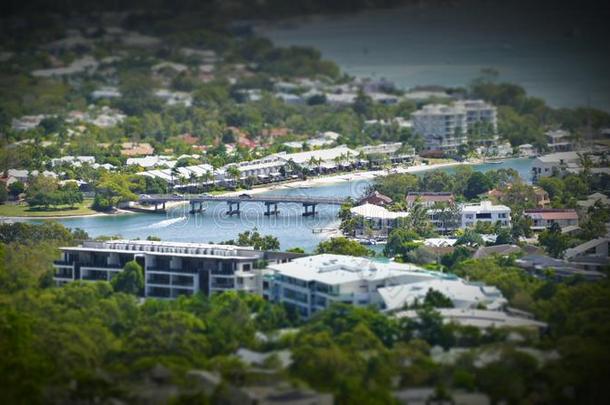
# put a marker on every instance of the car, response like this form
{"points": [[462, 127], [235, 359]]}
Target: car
{"points": [[145, 196], [245, 196]]}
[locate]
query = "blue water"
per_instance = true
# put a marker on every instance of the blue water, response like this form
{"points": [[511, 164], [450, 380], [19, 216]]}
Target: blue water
{"points": [[557, 50], [290, 227]]}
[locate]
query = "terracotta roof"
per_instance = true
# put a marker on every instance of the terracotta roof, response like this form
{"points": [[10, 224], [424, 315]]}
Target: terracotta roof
{"points": [[135, 149], [430, 197]]}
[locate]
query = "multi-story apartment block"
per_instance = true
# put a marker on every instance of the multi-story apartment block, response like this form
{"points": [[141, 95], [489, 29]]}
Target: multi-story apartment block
{"points": [[485, 211], [310, 284], [170, 268], [559, 140], [445, 127]]}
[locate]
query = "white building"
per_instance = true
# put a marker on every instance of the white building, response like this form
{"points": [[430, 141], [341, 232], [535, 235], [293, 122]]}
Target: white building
{"points": [[187, 174], [375, 221], [265, 169], [86, 64], [310, 284], [151, 161], [106, 92], [547, 165], [485, 211], [462, 294], [27, 122], [76, 161], [445, 126], [326, 157], [170, 268], [559, 140]]}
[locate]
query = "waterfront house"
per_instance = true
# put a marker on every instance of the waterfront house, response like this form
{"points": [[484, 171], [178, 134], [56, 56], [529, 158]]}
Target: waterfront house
{"points": [[544, 218], [170, 268], [556, 269], [375, 221], [375, 198], [547, 165]]}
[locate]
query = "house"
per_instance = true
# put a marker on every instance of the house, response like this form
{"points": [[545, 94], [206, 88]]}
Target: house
{"points": [[375, 221], [136, 149], [375, 198], [27, 122], [393, 152], [86, 64], [170, 268], [547, 267], [105, 92], [526, 150], [463, 294], [594, 199], [485, 211], [313, 283], [559, 140], [591, 255], [500, 250], [547, 165], [544, 218], [203, 173], [480, 318], [75, 161], [326, 160], [542, 197], [428, 198]]}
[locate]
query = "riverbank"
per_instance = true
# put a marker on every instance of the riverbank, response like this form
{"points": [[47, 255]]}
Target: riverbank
{"points": [[342, 177]]}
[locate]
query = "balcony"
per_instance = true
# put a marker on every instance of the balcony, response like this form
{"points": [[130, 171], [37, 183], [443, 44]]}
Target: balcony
{"points": [[62, 263]]}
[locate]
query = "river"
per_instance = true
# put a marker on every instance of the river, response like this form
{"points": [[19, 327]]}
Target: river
{"points": [[558, 51], [290, 227]]}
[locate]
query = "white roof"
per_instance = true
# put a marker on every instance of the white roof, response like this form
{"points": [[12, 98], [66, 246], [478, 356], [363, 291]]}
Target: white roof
{"points": [[324, 154], [461, 293], [375, 211], [483, 206], [337, 269], [479, 318], [560, 156]]}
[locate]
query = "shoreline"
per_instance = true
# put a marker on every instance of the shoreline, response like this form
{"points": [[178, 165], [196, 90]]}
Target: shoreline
{"points": [[310, 182]]}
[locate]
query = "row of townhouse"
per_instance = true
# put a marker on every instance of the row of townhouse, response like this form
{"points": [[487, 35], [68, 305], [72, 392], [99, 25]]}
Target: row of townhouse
{"points": [[170, 268]]}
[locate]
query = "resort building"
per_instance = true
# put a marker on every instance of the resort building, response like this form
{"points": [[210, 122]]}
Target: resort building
{"points": [[322, 160], [374, 221], [389, 152], [170, 268], [559, 140], [445, 127], [544, 218], [265, 169], [310, 284], [485, 211]]}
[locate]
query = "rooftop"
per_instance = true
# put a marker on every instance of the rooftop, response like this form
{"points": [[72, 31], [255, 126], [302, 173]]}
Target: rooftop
{"points": [[375, 211], [336, 269]]}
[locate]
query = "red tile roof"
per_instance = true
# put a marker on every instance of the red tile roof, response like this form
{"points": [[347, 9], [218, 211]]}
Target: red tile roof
{"points": [[552, 214]]}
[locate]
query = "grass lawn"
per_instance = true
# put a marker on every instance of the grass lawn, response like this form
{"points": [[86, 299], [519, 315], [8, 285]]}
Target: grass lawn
{"points": [[23, 210]]}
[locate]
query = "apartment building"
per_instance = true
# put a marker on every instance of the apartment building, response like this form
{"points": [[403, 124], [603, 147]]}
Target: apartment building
{"points": [[547, 165], [485, 211], [310, 284], [375, 221], [445, 126], [170, 268], [429, 198]]}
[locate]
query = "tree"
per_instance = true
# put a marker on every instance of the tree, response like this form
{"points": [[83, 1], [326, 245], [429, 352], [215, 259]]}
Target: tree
{"points": [[3, 193], [130, 280], [343, 246], [477, 184], [554, 241], [16, 188], [295, 250], [470, 238], [400, 242], [256, 240]]}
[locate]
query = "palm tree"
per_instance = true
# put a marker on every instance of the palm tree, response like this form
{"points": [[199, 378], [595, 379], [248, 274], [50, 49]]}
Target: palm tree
{"points": [[233, 173], [173, 173]]}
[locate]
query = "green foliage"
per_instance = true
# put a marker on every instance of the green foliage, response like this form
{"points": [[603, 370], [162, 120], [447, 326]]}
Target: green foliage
{"points": [[400, 242], [130, 280], [343, 246], [255, 239], [554, 241]]}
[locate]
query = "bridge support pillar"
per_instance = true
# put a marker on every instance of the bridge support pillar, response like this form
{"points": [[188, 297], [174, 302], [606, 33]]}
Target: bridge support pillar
{"points": [[309, 212], [164, 206], [270, 212], [233, 211]]}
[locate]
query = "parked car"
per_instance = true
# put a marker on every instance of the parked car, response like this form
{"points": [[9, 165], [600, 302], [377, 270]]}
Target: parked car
{"points": [[245, 196]]}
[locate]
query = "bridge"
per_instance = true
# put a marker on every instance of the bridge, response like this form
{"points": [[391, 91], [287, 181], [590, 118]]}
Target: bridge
{"points": [[234, 202]]}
